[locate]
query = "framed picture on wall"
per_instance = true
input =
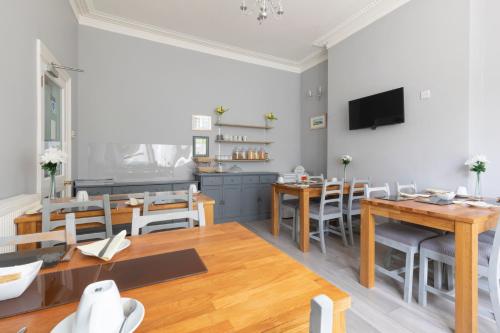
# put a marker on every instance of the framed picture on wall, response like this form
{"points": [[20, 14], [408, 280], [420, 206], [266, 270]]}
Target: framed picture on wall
{"points": [[318, 122], [200, 146]]}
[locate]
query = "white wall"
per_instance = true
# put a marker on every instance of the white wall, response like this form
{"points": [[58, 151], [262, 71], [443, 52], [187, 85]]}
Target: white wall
{"points": [[485, 89], [422, 45]]}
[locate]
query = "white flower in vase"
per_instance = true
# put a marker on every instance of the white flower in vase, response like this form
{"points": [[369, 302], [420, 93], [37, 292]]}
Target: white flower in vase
{"points": [[477, 164], [345, 160], [49, 161]]}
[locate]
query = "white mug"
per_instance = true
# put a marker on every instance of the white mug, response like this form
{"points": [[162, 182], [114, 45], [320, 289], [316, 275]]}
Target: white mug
{"points": [[193, 188], [462, 190], [82, 196], [281, 180], [100, 309]]}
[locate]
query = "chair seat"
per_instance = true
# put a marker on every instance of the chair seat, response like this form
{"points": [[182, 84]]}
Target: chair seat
{"points": [[329, 209], [487, 236], [446, 245], [404, 234]]}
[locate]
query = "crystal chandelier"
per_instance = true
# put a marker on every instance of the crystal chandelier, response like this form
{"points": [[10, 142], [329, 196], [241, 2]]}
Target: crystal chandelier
{"points": [[264, 8]]}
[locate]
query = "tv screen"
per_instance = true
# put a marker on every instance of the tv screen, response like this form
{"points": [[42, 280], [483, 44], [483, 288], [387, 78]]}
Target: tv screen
{"points": [[377, 110]]}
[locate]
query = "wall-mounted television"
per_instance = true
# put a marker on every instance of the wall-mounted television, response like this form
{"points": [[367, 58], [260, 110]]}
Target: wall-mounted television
{"points": [[386, 108]]}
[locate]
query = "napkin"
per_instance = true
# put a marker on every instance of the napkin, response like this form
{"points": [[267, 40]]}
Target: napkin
{"points": [[436, 191], [94, 248], [418, 195]]}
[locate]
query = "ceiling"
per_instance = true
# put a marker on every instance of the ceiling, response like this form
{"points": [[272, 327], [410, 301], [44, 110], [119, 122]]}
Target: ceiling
{"points": [[294, 42]]}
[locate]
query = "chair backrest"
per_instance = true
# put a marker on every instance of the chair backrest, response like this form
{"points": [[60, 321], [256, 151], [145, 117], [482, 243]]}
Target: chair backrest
{"points": [[104, 203], [381, 191], [66, 235], [406, 188], [160, 197], [139, 222], [321, 316], [356, 191], [332, 193], [494, 275]]}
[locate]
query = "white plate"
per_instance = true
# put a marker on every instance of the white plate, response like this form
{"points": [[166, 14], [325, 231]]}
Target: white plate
{"points": [[140, 202], [123, 245], [134, 320]]}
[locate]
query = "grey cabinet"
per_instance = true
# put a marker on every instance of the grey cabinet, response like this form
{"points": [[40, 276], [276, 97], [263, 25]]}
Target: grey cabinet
{"points": [[239, 197], [110, 187]]}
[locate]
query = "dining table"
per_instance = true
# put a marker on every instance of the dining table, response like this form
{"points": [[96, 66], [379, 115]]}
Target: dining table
{"points": [[304, 192], [465, 222], [121, 213], [248, 286]]}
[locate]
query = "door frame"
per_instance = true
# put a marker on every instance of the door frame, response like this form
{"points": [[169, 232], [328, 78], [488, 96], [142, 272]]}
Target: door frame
{"points": [[44, 56]]}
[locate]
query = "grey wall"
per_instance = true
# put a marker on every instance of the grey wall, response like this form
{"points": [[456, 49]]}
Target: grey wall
{"points": [[485, 89], [21, 23], [314, 142], [137, 91], [422, 45]]}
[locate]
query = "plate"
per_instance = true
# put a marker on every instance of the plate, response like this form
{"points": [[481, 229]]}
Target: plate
{"points": [[140, 202], [123, 245], [134, 319]]}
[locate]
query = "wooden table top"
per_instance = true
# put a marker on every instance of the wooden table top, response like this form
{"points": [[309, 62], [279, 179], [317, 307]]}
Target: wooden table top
{"points": [[452, 212], [314, 189], [250, 286], [121, 208]]}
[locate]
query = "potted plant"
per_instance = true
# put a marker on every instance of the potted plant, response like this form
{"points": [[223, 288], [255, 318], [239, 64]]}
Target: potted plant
{"points": [[477, 164], [270, 117], [220, 111], [49, 161], [345, 160]]}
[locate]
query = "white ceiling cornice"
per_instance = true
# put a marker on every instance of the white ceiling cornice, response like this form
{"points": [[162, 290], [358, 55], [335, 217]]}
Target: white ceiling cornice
{"points": [[366, 16], [87, 15]]}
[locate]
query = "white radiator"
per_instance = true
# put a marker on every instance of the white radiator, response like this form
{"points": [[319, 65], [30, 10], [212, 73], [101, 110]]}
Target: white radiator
{"points": [[10, 209]]}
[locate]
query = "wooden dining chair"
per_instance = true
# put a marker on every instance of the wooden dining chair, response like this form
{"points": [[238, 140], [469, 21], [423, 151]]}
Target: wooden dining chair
{"points": [[48, 207], [328, 209], [66, 235], [321, 316], [401, 237], [167, 197], [442, 249], [353, 205], [140, 223]]}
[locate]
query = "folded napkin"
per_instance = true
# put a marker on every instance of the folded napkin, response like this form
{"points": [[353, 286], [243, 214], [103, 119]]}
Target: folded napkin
{"points": [[476, 204], [94, 248], [417, 195]]}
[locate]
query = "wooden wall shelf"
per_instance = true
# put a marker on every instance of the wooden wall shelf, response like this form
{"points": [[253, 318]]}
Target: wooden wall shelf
{"points": [[242, 161], [243, 126], [245, 142]]}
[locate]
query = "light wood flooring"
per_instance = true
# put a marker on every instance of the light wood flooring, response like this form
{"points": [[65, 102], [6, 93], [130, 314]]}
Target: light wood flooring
{"points": [[380, 309]]}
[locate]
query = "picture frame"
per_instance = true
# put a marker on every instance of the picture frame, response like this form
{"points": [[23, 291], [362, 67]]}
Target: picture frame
{"points": [[318, 122], [200, 146]]}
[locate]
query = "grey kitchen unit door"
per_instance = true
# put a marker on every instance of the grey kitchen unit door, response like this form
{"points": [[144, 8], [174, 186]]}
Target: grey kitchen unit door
{"points": [[215, 192], [231, 197]]}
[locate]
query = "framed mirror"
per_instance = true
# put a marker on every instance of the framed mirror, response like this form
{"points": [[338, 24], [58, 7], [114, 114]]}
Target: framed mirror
{"points": [[200, 146]]}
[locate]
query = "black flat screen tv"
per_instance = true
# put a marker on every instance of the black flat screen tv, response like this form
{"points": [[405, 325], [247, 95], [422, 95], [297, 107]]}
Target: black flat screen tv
{"points": [[386, 108]]}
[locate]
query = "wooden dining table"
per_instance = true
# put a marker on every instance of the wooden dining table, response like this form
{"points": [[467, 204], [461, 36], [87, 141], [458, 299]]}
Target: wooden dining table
{"points": [[121, 213], [249, 286], [304, 193], [465, 222]]}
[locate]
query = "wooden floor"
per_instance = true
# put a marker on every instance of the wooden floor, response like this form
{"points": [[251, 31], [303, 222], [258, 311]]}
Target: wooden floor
{"points": [[377, 310]]}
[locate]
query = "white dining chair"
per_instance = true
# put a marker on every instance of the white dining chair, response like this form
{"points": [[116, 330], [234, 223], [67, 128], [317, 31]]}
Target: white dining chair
{"points": [[406, 188], [401, 237], [442, 249], [321, 315], [49, 206], [66, 235], [140, 223], [168, 197], [352, 207]]}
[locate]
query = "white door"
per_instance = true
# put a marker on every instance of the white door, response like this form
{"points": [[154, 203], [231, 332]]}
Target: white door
{"points": [[54, 119]]}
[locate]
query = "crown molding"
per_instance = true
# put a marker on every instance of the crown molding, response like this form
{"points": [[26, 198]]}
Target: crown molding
{"points": [[87, 15], [363, 18]]}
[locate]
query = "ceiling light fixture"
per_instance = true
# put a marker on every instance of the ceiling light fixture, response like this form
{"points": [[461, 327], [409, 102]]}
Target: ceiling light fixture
{"points": [[264, 8]]}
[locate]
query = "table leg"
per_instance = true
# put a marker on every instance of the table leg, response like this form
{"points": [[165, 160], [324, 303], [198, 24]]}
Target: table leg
{"points": [[339, 322], [304, 220], [466, 245], [275, 227], [367, 248], [209, 214]]}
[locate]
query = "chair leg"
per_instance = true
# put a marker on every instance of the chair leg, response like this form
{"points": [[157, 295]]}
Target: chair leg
{"points": [[349, 227], [450, 275], [342, 230], [294, 225], [409, 268], [321, 229], [438, 275], [422, 280]]}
